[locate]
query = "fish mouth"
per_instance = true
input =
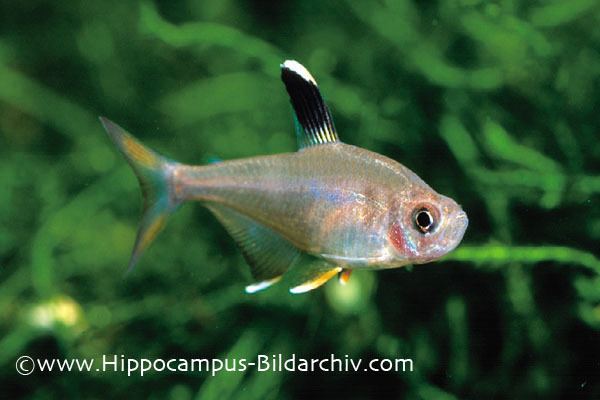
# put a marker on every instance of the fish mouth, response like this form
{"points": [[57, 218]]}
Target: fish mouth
{"points": [[459, 222]]}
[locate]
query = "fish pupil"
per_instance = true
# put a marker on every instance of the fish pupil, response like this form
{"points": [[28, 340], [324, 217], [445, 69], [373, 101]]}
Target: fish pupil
{"points": [[424, 220]]}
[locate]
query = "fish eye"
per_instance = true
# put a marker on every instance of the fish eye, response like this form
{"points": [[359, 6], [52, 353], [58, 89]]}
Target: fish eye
{"points": [[424, 220]]}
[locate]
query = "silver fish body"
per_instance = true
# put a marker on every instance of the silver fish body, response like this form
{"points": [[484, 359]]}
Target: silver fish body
{"points": [[336, 206], [336, 201]]}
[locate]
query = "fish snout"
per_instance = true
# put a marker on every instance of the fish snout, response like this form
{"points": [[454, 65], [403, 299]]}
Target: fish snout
{"points": [[458, 226]]}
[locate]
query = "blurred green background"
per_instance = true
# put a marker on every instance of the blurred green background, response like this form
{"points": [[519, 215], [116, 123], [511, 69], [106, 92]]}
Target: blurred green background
{"points": [[494, 103]]}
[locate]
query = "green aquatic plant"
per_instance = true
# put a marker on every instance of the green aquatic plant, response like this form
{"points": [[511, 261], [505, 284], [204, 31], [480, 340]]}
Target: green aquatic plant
{"points": [[493, 103]]}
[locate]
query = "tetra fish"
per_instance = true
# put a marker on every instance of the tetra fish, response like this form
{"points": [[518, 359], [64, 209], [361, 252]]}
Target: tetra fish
{"points": [[336, 206]]}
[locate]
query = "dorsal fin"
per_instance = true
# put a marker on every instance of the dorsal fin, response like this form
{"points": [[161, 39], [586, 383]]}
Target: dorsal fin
{"points": [[267, 253], [311, 112]]}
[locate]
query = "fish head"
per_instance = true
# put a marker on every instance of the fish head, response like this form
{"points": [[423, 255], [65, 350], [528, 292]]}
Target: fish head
{"points": [[426, 226]]}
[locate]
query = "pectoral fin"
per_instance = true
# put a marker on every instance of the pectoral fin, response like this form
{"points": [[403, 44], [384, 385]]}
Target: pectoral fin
{"points": [[312, 275], [268, 254]]}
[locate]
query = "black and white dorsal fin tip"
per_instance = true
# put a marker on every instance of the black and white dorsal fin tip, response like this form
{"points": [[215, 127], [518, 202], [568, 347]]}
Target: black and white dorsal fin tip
{"points": [[311, 112]]}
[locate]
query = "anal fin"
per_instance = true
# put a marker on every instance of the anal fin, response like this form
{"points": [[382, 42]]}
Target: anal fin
{"points": [[267, 253], [262, 285]]}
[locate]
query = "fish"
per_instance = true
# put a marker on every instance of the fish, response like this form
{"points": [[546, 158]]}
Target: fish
{"points": [[322, 211]]}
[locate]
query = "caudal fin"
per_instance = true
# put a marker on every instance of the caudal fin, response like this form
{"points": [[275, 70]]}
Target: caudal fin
{"points": [[153, 173]]}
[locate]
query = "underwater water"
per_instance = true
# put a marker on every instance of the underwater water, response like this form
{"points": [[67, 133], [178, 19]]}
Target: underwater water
{"points": [[492, 103]]}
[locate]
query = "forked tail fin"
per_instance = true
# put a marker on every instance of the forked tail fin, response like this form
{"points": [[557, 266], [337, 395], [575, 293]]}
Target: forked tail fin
{"points": [[153, 172]]}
